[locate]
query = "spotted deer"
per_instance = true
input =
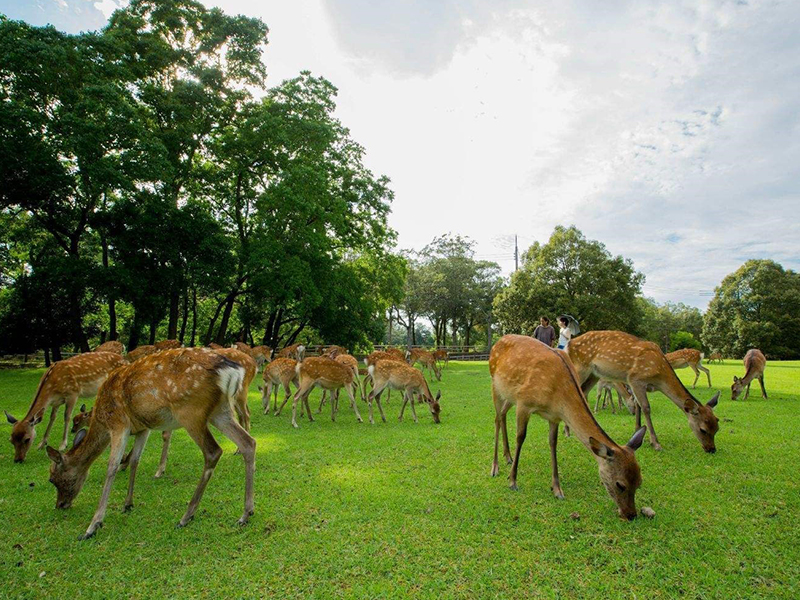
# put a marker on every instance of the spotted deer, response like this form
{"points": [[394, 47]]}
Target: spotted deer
{"points": [[186, 387], [167, 345], [605, 395], [389, 354], [425, 359], [754, 364], [689, 357], [535, 378], [441, 356], [619, 356], [399, 375], [715, 357], [351, 363], [320, 371], [111, 346], [279, 372], [63, 383], [215, 346], [295, 351], [141, 352]]}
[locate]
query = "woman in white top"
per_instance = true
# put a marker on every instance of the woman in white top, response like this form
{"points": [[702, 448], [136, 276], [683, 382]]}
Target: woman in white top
{"points": [[568, 329]]}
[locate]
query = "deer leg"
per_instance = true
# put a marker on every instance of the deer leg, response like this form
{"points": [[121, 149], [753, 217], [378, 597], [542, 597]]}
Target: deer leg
{"points": [[556, 486], [499, 416], [69, 405], [308, 407], [350, 392], [322, 402], [706, 371], [265, 394], [640, 392], [696, 375], [166, 438], [247, 447], [763, 389], [589, 383], [286, 399], [43, 443], [118, 442], [638, 412], [504, 429], [403, 407], [747, 392], [413, 410], [522, 431], [138, 446], [211, 455], [597, 400], [297, 396]]}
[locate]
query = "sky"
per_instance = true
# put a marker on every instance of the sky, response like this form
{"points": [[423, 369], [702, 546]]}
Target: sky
{"points": [[669, 131]]}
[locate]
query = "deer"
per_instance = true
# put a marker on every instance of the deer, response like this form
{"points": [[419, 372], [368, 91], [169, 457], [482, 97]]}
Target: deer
{"points": [[425, 359], [296, 351], [167, 345], [111, 346], [619, 356], [754, 364], [689, 357], [715, 357], [216, 346], [261, 354], [535, 378], [79, 376], [333, 350], [371, 359], [351, 363], [441, 356], [185, 387], [325, 373], [605, 395], [140, 352], [279, 372], [398, 375]]}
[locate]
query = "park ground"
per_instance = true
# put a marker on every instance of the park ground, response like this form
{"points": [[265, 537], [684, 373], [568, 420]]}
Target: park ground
{"points": [[409, 510]]}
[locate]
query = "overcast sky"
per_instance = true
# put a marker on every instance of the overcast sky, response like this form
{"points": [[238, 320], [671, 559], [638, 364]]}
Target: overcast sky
{"points": [[670, 131]]}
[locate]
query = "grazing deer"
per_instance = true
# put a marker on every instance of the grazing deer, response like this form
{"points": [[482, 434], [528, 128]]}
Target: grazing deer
{"points": [[111, 346], [619, 356], [279, 372], [81, 420], [261, 354], [715, 357], [295, 351], [186, 387], [389, 354], [140, 352], [327, 374], [537, 379], [333, 350], [425, 359], [351, 363], [167, 345], [689, 357], [754, 364], [398, 375], [605, 395], [441, 356], [63, 383]]}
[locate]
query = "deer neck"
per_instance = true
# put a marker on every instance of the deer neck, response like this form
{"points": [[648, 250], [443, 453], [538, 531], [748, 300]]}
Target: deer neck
{"points": [[42, 398], [750, 373], [96, 440], [672, 387], [577, 414]]}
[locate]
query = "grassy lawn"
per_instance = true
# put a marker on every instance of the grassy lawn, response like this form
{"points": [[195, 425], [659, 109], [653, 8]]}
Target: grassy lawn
{"points": [[401, 509]]}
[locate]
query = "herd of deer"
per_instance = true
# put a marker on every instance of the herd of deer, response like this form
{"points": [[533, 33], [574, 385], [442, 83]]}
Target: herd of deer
{"points": [[166, 387]]}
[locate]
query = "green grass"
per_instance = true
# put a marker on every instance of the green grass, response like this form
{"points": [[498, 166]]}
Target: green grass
{"points": [[352, 510]]}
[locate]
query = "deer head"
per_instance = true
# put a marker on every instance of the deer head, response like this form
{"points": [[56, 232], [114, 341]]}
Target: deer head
{"points": [[435, 408], [736, 388], [66, 474], [22, 435], [702, 421], [81, 420], [619, 472]]}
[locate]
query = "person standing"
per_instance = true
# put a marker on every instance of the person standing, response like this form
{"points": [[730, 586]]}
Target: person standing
{"points": [[544, 332], [568, 328]]}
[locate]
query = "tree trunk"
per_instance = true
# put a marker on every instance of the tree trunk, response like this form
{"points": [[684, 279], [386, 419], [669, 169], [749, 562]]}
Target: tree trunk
{"points": [[153, 329], [194, 316], [184, 316], [56, 353], [226, 316], [112, 303], [174, 303], [207, 339], [78, 335], [267, 338], [136, 330], [389, 340], [466, 340], [47, 357]]}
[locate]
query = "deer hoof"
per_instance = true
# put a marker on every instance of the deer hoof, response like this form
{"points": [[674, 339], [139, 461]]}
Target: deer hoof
{"points": [[127, 508], [513, 487], [184, 522], [495, 469], [657, 446]]}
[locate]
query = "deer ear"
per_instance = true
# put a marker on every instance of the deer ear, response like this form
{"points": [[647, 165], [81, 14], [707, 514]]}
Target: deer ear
{"points": [[83, 408], [690, 406], [713, 402], [438, 394], [10, 418], [600, 449], [637, 439], [735, 379], [55, 455], [78, 438], [37, 418]]}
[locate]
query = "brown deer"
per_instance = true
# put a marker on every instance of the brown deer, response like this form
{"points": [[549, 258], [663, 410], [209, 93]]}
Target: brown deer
{"points": [[535, 378], [295, 351], [441, 356], [425, 359], [63, 383], [320, 371], [261, 354], [371, 359], [186, 387], [605, 395], [279, 372], [398, 375], [689, 357], [333, 350], [215, 346], [167, 345], [140, 352], [81, 420], [754, 364], [619, 356], [351, 363], [111, 346], [715, 357]]}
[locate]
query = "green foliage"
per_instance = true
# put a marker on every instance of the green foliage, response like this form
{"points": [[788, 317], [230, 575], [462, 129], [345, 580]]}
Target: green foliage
{"points": [[660, 322], [400, 509], [573, 275], [683, 339], [757, 306]]}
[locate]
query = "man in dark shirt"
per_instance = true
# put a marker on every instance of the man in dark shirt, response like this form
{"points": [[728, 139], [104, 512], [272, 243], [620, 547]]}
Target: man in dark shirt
{"points": [[544, 332]]}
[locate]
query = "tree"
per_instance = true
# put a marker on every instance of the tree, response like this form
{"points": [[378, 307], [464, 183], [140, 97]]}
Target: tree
{"points": [[659, 323], [757, 306], [683, 339], [573, 275]]}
